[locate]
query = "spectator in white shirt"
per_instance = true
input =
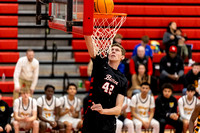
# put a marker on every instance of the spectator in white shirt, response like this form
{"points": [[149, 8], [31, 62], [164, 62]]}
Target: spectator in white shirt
{"points": [[26, 73]]}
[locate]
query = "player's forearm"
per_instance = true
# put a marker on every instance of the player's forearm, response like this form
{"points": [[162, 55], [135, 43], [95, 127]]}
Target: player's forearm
{"points": [[112, 111], [43, 119], [191, 126], [75, 114], [151, 116], [136, 116]]}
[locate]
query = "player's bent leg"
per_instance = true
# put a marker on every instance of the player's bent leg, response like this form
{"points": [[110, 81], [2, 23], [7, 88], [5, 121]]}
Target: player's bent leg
{"points": [[156, 126], [119, 125], [61, 127], [80, 124], [185, 125], [43, 127], [129, 124], [138, 125], [16, 126], [68, 127], [35, 126]]}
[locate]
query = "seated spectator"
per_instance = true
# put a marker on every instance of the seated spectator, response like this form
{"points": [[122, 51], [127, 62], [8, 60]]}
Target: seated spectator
{"points": [[171, 68], [48, 111], [184, 50], [138, 79], [169, 37], [5, 117], [141, 104], [25, 112], [186, 106], [122, 120], [192, 77], [140, 58], [70, 109], [166, 109], [144, 43]]}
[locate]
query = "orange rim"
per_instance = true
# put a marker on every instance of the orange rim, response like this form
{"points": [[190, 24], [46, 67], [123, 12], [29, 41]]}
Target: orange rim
{"points": [[109, 15]]}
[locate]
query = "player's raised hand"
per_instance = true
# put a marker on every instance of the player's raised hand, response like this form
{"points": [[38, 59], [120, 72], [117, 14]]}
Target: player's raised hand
{"points": [[72, 109], [97, 107]]}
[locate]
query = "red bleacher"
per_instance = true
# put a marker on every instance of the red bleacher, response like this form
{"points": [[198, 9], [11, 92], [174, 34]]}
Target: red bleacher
{"points": [[161, 21], [83, 57], [9, 20], [151, 32], [8, 100], [159, 1], [9, 57], [8, 44], [7, 70], [129, 44], [7, 86], [8, 8], [157, 10], [8, 32]]}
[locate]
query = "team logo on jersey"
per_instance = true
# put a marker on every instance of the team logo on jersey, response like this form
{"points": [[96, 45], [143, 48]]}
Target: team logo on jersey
{"points": [[2, 108], [109, 78], [171, 104]]}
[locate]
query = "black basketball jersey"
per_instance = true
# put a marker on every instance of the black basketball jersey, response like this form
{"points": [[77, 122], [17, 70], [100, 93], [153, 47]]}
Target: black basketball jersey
{"points": [[106, 83]]}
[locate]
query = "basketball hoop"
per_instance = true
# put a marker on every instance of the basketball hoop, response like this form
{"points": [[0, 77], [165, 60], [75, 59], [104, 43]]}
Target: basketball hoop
{"points": [[105, 28]]}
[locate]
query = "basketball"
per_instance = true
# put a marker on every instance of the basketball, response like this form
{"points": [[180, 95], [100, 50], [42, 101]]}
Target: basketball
{"points": [[103, 6]]}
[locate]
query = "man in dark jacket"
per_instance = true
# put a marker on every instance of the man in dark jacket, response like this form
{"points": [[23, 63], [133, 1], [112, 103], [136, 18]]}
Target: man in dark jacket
{"points": [[171, 68], [192, 77], [5, 117], [166, 109]]}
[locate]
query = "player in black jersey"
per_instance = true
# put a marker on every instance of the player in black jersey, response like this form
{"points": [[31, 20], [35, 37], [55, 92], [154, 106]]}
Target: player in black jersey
{"points": [[107, 90]]}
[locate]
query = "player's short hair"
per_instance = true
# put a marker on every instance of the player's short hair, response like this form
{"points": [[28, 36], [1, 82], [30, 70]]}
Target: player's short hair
{"points": [[29, 50], [118, 36], [191, 87], [145, 39], [167, 85], [145, 83], [49, 86], [195, 64], [120, 46], [71, 84]]}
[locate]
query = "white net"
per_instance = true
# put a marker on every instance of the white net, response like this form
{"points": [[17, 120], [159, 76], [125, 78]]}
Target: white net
{"points": [[104, 31]]}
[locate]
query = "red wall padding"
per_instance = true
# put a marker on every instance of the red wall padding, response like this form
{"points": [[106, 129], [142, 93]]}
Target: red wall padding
{"points": [[9, 57], [8, 20], [8, 32], [157, 10], [8, 44], [8, 8]]}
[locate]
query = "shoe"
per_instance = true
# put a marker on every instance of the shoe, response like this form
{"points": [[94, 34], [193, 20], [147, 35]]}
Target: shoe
{"points": [[190, 62]]}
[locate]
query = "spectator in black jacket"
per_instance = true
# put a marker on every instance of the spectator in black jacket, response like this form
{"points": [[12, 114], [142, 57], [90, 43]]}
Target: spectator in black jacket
{"points": [[192, 77], [5, 117], [171, 68], [166, 109]]}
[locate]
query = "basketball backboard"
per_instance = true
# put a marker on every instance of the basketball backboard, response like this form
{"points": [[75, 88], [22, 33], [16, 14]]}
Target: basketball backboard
{"points": [[71, 15]]}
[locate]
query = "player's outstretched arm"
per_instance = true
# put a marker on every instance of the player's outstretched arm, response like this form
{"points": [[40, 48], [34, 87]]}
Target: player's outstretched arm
{"points": [[112, 111], [194, 116], [90, 46]]}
